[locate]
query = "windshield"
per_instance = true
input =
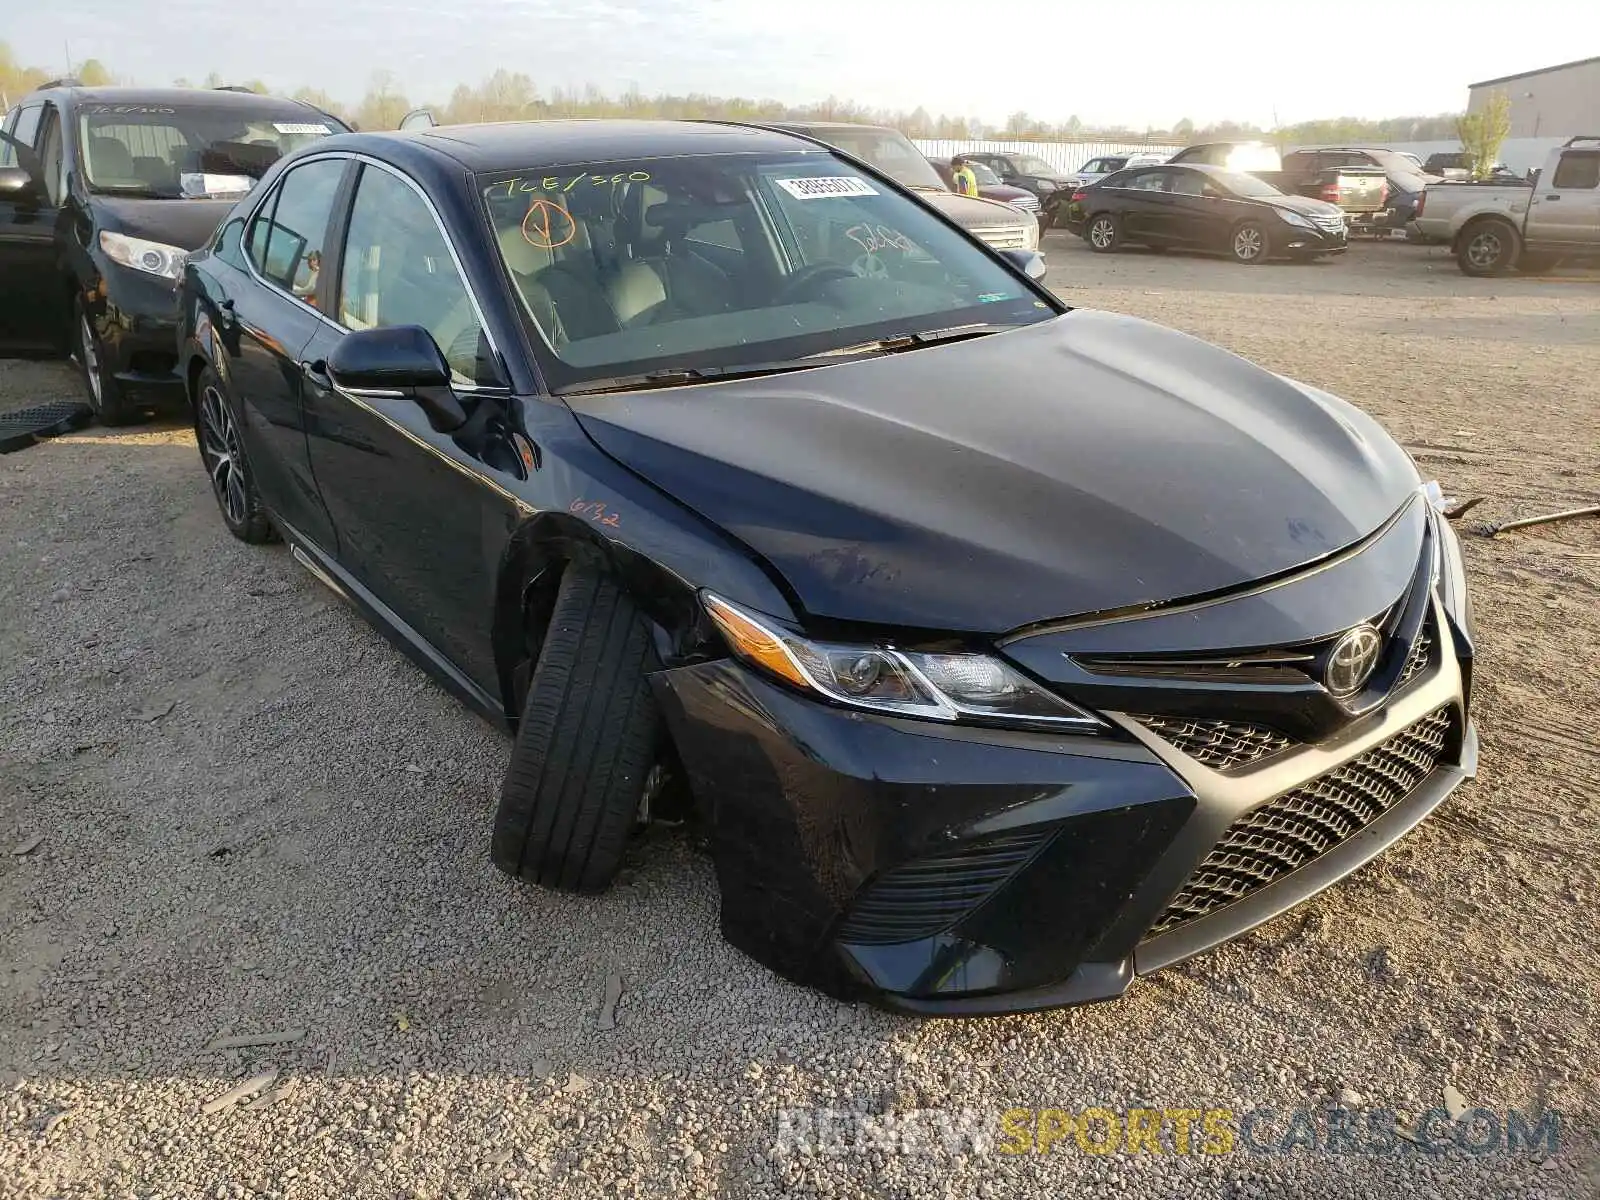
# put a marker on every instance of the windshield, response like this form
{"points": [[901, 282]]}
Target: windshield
{"points": [[1029, 165], [1245, 185], [188, 151], [721, 261], [891, 152]]}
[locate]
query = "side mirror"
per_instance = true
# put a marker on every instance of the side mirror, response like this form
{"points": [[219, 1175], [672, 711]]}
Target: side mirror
{"points": [[1029, 262], [417, 118], [401, 360], [18, 186]]}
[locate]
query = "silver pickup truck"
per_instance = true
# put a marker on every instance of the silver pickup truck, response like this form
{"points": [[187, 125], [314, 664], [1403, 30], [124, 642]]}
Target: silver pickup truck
{"points": [[1493, 228]]}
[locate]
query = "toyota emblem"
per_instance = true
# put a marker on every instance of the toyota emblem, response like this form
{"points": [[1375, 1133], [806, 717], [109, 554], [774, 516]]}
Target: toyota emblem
{"points": [[1352, 661]]}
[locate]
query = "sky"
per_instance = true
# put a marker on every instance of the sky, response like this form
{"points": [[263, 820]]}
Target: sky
{"points": [[1138, 63]]}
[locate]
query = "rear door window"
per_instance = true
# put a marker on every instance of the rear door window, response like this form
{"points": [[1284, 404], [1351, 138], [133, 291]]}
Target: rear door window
{"points": [[286, 236], [1147, 181], [1578, 170]]}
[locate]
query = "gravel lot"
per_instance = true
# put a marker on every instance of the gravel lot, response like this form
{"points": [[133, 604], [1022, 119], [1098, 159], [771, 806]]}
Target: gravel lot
{"points": [[257, 818]]}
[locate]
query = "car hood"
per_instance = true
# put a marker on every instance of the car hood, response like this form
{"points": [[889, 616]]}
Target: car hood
{"points": [[969, 211], [1087, 463], [187, 224], [1303, 204], [1003, 192]]}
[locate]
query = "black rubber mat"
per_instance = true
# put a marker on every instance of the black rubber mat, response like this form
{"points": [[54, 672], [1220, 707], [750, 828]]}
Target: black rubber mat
{"points": [[21, 428]]}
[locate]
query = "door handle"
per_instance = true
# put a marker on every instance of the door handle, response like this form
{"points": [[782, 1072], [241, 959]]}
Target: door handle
{"points": [[1552, 197]]}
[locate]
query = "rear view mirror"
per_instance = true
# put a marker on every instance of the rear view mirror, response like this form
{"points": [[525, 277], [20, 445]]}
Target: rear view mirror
{"points": [[17, 186], [1029, 262], [400, 360]]}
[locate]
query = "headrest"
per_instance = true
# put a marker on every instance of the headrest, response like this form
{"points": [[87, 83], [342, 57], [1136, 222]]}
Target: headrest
{"points": [[522, 256], [110, 158]]}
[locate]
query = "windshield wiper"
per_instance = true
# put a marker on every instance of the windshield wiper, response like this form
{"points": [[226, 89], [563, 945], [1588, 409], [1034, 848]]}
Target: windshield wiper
{"points": [[681, 376], [132, 189], [901, 342]]}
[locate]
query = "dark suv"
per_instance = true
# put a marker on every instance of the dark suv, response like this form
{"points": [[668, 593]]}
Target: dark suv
{"points": [[103, 194]]}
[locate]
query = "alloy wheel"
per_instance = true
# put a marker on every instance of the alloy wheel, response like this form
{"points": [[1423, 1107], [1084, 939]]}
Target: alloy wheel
{"points": [[1247, 244], [91, 363], [219, 447], [1484, 250], [1102, 233]]}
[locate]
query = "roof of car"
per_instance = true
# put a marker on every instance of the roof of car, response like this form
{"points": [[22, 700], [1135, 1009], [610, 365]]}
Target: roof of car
{"points": [[512, 145], [219, 97], [826, 125]]}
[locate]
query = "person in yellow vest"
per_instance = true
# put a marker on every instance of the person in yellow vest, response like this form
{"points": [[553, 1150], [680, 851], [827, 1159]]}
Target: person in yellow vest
{"points": [[965, 181]]}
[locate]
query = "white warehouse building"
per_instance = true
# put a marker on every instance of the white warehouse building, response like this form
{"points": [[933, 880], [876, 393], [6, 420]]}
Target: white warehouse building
{"points": [[1556, 102]]}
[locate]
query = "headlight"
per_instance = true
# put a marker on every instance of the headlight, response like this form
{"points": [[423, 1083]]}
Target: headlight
{"points": [[1030, 233], [154, 258], [1295, 218], [935, 687]]}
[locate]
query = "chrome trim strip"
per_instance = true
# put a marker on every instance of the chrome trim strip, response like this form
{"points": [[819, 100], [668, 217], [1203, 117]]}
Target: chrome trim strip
{"points": [[1226, 797], [1159, 608], [433, 211]]}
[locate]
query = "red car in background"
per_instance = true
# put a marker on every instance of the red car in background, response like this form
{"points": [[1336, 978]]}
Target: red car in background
{"points": [[989, 186]]}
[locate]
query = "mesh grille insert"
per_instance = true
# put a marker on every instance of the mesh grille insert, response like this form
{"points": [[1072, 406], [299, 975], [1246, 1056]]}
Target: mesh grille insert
{"points": [[1221, 745], [925, 896], [1419, 657], [1290, 831]]}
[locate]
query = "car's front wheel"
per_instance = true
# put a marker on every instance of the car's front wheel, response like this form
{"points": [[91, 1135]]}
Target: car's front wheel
{"points": [[222, 452], [1104, 233], [103, 392], [589, 736], [1250, 244]]}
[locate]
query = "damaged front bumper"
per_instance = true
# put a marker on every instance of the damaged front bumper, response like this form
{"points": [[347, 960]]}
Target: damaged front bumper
{"points": [[955, 871]]}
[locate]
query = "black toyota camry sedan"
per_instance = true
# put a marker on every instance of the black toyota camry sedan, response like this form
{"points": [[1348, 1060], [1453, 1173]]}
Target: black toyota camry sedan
{"points": [[1197, 207], [1004, 651]]}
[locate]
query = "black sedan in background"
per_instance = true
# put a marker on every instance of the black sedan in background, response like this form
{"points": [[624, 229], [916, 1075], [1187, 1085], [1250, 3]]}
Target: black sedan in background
{"points": [[1004, 651], [1205, 208]]}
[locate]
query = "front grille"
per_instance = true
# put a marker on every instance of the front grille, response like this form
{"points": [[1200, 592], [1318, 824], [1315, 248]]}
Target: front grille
{"points": [[1290, 831], [1003, 237], [1417, 661], [1220, 745], [1028, 203], [1333, 224], [928, 895]]}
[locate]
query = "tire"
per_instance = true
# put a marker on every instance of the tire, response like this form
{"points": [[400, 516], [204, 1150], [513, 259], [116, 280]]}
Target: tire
{"points": [[216, 432], [1103, 233], [1250, 244], [589, 737], [101, 390], [1488, 248]]}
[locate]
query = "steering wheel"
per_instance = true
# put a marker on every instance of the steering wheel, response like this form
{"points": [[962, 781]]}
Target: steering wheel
{"points": [[806, 279], [870, 266]]}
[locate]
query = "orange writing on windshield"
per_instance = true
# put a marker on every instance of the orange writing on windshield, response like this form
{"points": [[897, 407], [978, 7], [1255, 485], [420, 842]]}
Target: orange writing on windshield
{"points": [[548, 226]]}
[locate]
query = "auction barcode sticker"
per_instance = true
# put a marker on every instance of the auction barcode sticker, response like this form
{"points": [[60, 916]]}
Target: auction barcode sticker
{"points": [[813, 187], [293, 127]]}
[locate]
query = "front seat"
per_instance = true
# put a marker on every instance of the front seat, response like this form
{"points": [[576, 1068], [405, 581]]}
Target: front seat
{"points": [[663, 281], [111, 162], [567, 303]]}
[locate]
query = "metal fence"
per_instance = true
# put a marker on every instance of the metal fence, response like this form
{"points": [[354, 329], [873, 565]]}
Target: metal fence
{"points": [[1065, 157]]}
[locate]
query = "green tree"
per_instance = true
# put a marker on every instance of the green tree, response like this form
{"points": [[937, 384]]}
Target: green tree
{"points": [[93, 73], [1482, 133]]}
